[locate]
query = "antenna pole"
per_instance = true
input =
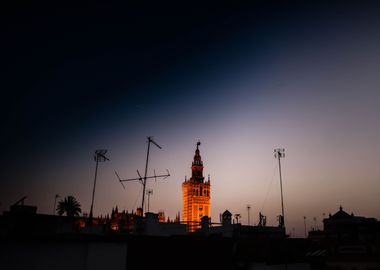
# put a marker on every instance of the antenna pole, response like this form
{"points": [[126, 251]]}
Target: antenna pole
{"points": [[282, 196], [99, 156], [93, 189], [279, 153], [144, 180]]}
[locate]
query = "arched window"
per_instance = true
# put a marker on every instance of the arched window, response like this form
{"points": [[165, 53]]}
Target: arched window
{"points": [[200, 193]]}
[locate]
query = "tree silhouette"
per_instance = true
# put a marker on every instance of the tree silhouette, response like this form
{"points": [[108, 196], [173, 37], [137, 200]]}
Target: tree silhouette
{"points": [[70, 206]]}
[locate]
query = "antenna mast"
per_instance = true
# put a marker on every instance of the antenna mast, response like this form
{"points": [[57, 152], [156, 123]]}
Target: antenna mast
{"points": [[98, 157], [143, 179], [280, 153]]}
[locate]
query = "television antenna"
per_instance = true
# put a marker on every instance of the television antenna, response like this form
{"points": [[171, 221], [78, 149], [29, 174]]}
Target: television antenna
{"points": [[280, 153], [141, 179], [99, 156]]}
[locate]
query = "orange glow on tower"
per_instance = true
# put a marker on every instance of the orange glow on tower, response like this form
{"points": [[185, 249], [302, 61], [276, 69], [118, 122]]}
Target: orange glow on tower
{"points": [[196, 194]]}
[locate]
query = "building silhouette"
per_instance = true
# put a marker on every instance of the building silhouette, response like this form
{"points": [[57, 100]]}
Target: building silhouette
{"points": [[196, 194]]}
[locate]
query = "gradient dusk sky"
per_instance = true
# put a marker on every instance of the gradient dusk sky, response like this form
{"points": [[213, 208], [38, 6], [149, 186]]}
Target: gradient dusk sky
{"points": [[242, 79]]}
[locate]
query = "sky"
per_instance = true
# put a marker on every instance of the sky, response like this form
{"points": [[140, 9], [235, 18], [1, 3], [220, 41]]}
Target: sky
{"points": [[243, 79]]}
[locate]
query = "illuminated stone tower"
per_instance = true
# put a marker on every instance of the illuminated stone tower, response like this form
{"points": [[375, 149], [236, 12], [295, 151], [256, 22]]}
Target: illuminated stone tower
{"points": [[196, 194]]}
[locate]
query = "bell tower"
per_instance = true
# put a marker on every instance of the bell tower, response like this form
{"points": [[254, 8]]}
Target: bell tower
{"points": [[196, 194]]}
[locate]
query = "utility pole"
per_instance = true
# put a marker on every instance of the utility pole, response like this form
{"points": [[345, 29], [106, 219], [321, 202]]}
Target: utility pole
{"points": [[98, 157], [280, 153], [248, 209]]}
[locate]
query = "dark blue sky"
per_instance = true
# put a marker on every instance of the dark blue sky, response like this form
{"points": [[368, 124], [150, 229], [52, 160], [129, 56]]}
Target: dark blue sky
{"points": [[242, 78], [65, 66]]}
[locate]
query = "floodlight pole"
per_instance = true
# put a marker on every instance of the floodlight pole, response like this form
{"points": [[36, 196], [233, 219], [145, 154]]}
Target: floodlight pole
{"points": [[280, 153]]}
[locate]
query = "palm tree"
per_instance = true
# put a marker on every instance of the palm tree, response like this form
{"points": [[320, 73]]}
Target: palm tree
{"points": [[70, 206]]}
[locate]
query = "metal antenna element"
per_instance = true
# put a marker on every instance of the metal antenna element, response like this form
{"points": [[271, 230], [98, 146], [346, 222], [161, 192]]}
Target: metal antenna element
{"points": [[141, 179], [280, 153], [248, 209], [149, 192], [55, 202], [20, 202], [99, 156], [119, 180]]}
